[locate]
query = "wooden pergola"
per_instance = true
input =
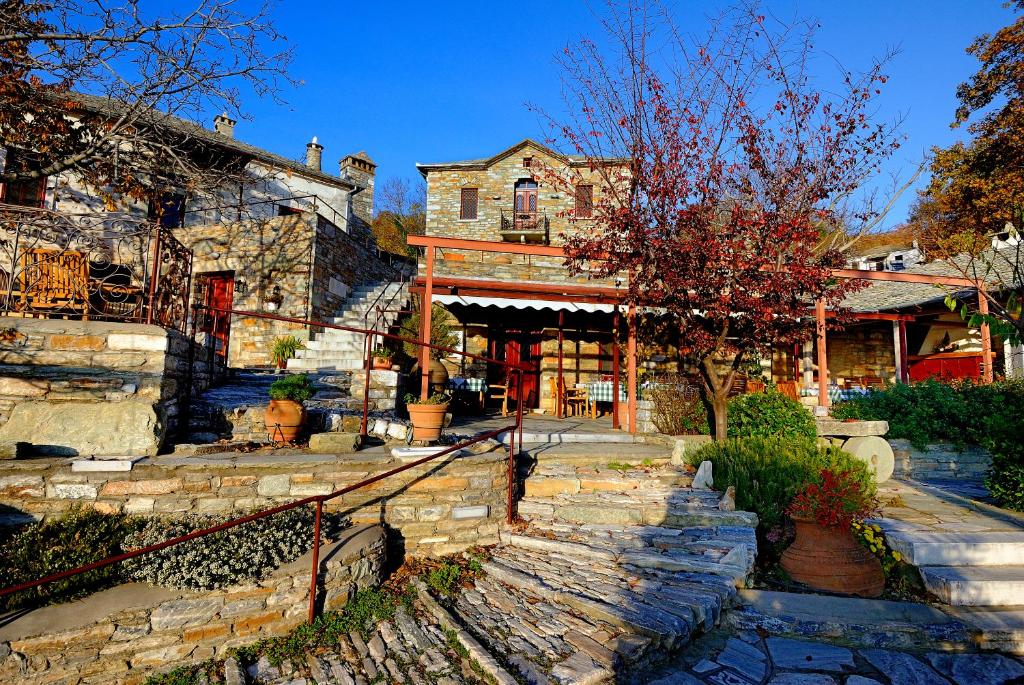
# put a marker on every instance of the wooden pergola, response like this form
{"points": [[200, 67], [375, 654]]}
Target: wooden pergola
{"points": [[429, 284]]}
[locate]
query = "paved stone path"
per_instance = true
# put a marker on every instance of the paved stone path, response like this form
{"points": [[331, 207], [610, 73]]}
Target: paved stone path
{"points": [[750, 658], [410, 649]]}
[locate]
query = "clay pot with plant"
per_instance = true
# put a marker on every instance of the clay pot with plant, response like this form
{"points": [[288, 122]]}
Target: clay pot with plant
{"points": [[825, 555], [283, 349], [382, 357], [427, 415], [285, 414], [441, 335]]}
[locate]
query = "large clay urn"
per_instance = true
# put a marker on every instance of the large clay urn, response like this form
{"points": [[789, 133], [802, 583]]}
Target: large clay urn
{"points": [[427, 421], [830, 559], [437, 375], [284, 418]]}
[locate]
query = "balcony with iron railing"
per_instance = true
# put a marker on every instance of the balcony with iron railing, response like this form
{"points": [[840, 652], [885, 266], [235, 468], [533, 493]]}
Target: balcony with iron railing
{"points": [[519, 226]]}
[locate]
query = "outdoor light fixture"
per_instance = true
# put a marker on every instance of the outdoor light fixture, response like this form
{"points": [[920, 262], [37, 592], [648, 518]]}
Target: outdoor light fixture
{"points": [[272, 302]]}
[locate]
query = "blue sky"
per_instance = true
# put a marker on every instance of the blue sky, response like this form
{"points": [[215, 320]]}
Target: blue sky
{"points": [[425, 82]]}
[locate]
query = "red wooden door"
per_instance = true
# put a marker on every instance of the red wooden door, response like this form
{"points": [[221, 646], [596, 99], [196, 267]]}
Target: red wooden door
{"points": [[526, 204], [218, 293], [523, 348]]}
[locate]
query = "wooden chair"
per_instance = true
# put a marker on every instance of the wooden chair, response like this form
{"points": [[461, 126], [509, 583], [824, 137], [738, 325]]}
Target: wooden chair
{"points": [[500, 392], [789, 389], [755, 386], [54, 280], [873, 382]]}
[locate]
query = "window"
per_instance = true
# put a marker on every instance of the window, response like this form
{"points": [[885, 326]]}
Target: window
{"points": [[28, 192], [468, 205], [527, 162], [584, 202], [167, 209]]}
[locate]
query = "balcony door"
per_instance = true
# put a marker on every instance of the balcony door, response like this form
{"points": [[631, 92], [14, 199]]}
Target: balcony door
{"points": [[526, 204]]}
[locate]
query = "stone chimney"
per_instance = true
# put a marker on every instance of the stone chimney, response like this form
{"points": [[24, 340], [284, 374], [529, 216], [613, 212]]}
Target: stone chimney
{"points": [[360, 169], [224, 125], [314, 153]]}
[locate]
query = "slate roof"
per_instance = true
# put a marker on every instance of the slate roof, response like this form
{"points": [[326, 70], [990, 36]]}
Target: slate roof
{"points": [[484, 162], [191, 129], [1004, 266]]}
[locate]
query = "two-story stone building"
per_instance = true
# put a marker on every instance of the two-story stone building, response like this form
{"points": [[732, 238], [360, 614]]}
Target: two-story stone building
{"points": [[493, 259]]}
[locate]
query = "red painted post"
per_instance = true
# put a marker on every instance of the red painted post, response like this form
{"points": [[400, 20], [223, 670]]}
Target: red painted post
{"points": [[987, 372], [904, 362], [631, 386], [363, 425], [316, 560], [616, 366], [561, 380], [819, 314], [425, 314]]}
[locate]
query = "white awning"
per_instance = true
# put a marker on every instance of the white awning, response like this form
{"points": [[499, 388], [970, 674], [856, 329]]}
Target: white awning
{"points": [[515, 303]]}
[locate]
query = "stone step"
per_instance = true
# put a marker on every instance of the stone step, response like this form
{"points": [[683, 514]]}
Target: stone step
{"points": [[334, 343], [556, 438], [998, 629], [674, 508], [975, 585], [926, 548], [567, 479], [331, 364]]}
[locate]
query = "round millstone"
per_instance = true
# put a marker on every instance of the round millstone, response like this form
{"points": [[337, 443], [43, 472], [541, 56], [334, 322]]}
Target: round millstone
{"points": [[874, 451]]}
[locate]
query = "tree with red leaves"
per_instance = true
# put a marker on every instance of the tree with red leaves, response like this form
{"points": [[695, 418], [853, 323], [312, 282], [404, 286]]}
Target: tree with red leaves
{"points": [[741, 183]]}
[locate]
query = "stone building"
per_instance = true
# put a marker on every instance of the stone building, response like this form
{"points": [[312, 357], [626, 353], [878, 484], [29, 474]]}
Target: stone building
{"points": [[281, 236], [501, 273]]}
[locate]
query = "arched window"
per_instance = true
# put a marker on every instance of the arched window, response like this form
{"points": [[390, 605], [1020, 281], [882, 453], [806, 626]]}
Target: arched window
{"points": [[526, 196]]}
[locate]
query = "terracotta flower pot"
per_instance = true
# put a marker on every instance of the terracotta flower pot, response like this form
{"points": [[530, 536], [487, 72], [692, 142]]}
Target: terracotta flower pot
{"points": [[381, 363], [437, 375], [830, 559], [283, 419], [427, 421]]}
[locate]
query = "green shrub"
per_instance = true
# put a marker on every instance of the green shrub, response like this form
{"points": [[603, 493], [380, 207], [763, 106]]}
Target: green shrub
{"points": [[768, 472], [961, 413], [442, 332], [77, 538], [297, 388], [245, 552], [284, 348], [769, 413]]}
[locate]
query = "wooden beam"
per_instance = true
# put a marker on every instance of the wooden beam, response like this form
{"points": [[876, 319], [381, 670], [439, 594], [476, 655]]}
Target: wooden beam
{"points": [[987, 372], [556, 292], [559, 384], [819, 312], [904, 369], [631, 369], [616, 365], [425, 316], [485, 246]]}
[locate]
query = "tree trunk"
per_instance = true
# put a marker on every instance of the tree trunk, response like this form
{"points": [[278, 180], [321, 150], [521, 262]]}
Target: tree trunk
{"points": [[720, 408]]}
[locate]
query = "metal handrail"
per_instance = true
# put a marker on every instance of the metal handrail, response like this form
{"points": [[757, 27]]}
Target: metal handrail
{"points": [[318, 500]]}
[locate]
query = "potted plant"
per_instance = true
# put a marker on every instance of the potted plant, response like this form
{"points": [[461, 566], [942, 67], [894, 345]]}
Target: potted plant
{"points": [[283, 349], [427, 415], [441, 334], [285, 413], [381, 357], [825, 555]]}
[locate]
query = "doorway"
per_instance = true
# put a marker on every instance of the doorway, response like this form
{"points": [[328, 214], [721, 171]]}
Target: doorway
{"points": [[526, 203], [216, 290], [522, 348]]}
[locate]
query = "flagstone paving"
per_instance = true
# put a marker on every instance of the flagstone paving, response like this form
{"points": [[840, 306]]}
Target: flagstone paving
{"points": [[750, 658]]}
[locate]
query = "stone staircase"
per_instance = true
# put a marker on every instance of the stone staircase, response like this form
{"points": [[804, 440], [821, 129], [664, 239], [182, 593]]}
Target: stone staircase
{"points": [[611, 571], [339, 350], [967, 569]]}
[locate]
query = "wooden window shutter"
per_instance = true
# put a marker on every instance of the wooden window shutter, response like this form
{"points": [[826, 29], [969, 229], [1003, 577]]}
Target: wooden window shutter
{"points": [[468, 206], [584, 201]]}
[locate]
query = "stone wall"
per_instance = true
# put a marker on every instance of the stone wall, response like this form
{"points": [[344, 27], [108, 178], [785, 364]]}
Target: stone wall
{"points": [[129, 632], [496, 193], [93, 387], [386, 387], [428, 506], [940, 461], [341, 262], [862, 350]]}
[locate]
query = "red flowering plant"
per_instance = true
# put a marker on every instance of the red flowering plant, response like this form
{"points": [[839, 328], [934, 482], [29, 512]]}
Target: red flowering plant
{"points": [[836, 502]]}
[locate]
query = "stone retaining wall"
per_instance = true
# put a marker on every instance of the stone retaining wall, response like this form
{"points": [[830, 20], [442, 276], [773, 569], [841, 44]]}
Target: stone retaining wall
{"points": [[940, 461], [93, 387], [124, 634], [436, 508]]}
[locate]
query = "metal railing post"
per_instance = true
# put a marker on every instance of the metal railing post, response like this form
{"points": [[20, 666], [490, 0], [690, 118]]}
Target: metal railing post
{"points": [[154, 273], [316, 559], [368, 341]]}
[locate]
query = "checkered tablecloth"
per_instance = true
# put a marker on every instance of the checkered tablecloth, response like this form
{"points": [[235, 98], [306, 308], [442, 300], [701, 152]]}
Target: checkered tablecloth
{"points": [[835, 393], [468, 384], [601, 391]]}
